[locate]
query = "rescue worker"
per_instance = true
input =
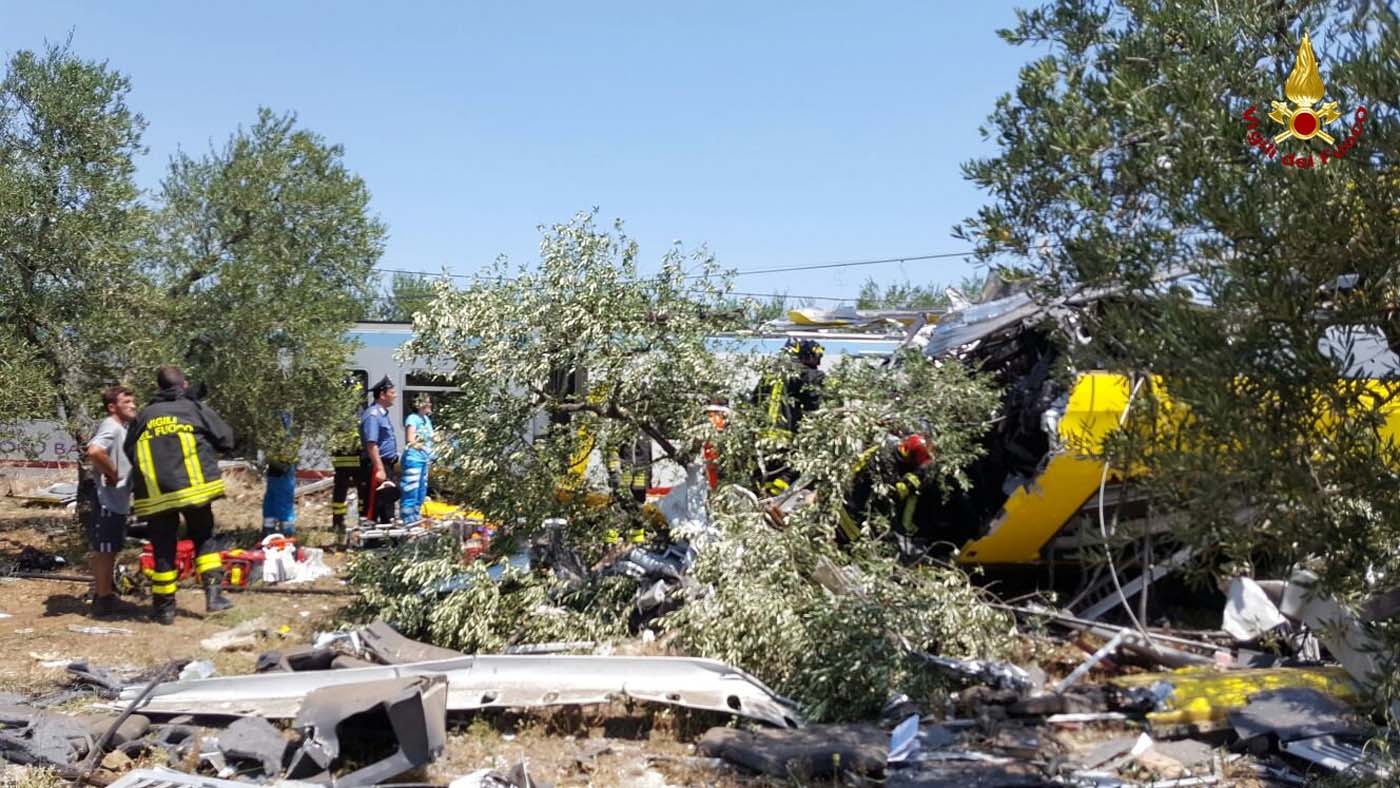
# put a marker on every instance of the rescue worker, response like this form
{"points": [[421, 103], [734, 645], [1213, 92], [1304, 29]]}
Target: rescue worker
{"points": [[417, 459], [629, 467], [379, 464], [788, 395], [900, 467], [173, 445], [280, 498], [345, 459], [718, 413]]}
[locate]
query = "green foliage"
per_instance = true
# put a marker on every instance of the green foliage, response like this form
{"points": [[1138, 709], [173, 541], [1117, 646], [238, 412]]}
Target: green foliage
{"points": [[484, 615], [904, 295], [266, 248], [72, 304], [842, 652], [645, 345], [638, 341], [1122, 157], [863, 403], [900, 295], [407, 294]]}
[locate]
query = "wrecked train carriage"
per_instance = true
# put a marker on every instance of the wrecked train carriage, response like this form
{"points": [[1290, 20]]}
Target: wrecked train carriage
{"points": [[1039, 481]]}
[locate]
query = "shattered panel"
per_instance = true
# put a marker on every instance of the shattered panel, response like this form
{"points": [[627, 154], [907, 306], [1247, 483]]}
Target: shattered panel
{"points": [[409, 716], [501, 681]]}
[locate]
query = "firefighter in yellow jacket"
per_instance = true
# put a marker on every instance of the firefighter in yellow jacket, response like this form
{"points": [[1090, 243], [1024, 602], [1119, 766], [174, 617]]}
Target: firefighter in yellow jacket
{"points": [[345, 459], [173, 446]]}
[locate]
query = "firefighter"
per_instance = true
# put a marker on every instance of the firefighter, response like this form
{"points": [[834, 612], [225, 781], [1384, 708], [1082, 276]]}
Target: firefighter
{"points": [[629, 467], [787, 395], [901, 468], [345, 459], [173, 445]]}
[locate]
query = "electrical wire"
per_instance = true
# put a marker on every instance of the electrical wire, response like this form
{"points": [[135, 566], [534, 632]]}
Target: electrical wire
{"points": [[1103, 525], [846, 264], [777, 270]]}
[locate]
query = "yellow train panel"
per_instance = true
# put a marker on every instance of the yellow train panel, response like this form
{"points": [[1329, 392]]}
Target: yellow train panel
{"points": [[1032, 516]]}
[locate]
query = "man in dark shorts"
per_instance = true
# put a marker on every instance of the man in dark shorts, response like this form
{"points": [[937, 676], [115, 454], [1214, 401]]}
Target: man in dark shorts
{"points": [[107, 529]]}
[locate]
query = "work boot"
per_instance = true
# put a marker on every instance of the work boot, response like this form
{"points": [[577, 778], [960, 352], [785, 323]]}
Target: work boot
{"points": [[214, 599], [163, 609]]}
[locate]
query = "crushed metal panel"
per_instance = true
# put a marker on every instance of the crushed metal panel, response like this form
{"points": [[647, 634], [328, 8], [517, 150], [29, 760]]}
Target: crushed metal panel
{"points": [[1208, 695], [392, 648], [1294, 713], [169, 778], [1338, 756], [1035, 513], [501, 681], [412, 712], [254, 739]]}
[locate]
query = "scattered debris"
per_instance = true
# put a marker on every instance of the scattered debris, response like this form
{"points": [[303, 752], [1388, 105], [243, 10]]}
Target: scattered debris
{"points": [[197, 669], [1249, 613], [98, 630], [1331, 753], [56, 494], [1204, 695], [814, 752], [169, 778], [257, 740], [500, 681], [385, 645], [355, 719], [1294, 713], [515, 777], [243, 637]]}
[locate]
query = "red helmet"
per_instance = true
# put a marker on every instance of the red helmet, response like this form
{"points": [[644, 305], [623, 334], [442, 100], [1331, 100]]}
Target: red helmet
{"points": [[915, 449]]}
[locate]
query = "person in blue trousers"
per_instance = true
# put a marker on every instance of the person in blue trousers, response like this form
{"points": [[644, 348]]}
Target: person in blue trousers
{"points": [[418, 436], [279, 502]]}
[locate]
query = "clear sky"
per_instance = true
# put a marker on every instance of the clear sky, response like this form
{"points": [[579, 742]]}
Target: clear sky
{"points": [[778, 133]]}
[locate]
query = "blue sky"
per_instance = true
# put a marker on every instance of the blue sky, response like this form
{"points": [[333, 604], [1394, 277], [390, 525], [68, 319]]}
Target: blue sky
{"points": [[777, 133]]}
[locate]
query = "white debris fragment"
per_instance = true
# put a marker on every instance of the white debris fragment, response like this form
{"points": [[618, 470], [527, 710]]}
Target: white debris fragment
{"points": [[1249, 612]]}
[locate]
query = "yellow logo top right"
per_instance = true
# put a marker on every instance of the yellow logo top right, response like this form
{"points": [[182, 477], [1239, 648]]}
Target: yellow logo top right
{"points": [[1302, 118], [1304, 88]]}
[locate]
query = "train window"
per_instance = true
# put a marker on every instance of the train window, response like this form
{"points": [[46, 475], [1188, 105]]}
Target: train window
{"points": [[425, 379]]}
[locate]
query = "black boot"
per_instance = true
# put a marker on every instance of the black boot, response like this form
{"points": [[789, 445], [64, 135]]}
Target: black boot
{"points": [[163, 609], [214, 599]]}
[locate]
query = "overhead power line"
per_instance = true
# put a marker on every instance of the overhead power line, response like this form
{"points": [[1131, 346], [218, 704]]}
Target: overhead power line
{"points": [[846, 264], [777, 270]]}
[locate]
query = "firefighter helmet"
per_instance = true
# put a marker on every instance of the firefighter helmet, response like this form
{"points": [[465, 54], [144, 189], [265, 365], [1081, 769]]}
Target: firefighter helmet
{"points": [[915, 449]]}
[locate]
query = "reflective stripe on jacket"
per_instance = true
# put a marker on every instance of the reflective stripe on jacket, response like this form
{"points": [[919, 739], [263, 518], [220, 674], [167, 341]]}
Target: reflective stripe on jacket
{"points": [[173, 444]]}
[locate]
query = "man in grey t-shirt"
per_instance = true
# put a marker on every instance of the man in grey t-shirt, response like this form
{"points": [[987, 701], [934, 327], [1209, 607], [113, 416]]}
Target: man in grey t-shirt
{"points": [[108, 526]]}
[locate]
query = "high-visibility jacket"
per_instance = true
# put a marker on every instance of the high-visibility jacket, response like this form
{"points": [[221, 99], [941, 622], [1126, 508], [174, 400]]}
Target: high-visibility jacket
{"points": [[630, 465], [905, 481], [787, 398], [346, 447], [173, 446]]}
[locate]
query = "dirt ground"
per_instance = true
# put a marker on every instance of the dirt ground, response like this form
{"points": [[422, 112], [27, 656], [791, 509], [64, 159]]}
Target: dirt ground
{"points": [[638, 746]]}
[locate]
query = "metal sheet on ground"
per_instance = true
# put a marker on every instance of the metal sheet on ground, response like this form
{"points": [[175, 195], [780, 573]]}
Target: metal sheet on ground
{"points": [[496, 681]]}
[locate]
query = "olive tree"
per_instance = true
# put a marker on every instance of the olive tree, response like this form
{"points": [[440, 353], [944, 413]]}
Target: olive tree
{"points": [[74, 302], [266, 250], [1153, 139]]}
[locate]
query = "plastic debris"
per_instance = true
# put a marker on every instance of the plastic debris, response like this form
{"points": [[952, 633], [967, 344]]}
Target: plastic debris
{"points": [[904, 740], [198, 669], [1249, 613]]}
